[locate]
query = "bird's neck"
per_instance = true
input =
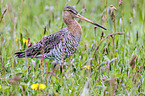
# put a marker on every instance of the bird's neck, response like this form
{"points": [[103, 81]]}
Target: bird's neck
{"points": [[73, 26]]}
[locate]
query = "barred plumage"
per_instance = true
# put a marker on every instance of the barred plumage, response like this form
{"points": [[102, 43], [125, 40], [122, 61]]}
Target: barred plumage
{"points": [[68, 37]]}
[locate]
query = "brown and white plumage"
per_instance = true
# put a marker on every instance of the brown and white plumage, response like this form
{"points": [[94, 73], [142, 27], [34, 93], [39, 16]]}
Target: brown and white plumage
{"points": [[66, 40]]}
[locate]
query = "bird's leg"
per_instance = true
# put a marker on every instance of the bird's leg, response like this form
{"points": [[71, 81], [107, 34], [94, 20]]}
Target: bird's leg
{"points": [[61, 66], [54, 65]]}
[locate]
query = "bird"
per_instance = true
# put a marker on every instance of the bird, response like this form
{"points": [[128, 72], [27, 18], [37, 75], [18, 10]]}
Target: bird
{"points": [[64, 41]]}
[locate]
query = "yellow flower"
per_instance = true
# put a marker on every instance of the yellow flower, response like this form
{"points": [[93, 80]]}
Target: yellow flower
{"points": [[36, 86], [55, 94], [24, 40], [0, 86], [87, 67], [42, 86]]}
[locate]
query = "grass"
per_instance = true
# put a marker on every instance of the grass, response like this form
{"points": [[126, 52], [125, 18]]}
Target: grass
{"points": [[117, 67]]}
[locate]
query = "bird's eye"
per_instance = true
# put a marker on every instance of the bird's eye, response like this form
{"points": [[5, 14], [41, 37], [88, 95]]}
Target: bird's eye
{"points": [[72, 12]]}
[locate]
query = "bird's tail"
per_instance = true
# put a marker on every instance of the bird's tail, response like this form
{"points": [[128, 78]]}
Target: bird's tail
{"points": [[20, 54]]}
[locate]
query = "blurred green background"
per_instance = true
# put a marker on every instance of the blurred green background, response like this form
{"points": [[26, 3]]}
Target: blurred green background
{"points": [[117, 68]]}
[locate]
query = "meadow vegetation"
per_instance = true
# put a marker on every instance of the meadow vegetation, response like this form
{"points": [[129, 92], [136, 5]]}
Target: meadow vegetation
{"points": [[103, 64]]}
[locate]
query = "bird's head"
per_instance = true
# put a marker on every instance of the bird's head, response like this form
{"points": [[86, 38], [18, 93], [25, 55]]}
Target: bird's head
{"points": [[70, 12]]}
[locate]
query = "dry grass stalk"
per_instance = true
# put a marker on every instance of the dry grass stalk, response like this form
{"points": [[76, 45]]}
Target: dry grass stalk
{"points": [[117, 33], [3, 15], [133, 62]]}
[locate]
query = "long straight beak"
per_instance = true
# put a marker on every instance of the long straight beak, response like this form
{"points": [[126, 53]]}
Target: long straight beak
{"points": [[81, 17]]}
